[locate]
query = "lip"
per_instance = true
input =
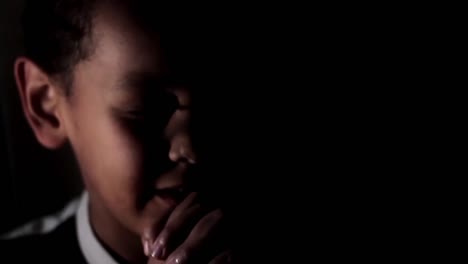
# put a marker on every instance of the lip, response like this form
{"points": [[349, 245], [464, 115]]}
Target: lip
{"points": [[172, 194]]}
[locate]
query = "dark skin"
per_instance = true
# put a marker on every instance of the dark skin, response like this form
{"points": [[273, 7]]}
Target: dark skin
{"points": [[98, 120]]}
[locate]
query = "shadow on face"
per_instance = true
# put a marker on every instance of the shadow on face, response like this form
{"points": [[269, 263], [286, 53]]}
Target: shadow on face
{"points": [[130, 117]]}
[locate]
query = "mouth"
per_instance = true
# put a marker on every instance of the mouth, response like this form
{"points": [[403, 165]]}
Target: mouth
{"points": [[173, 195]]}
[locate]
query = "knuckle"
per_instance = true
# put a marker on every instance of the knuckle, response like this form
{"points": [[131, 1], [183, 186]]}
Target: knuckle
{"points": [[163, 238], [218, 214], [214, 217], [210, 221], [181, 256]]}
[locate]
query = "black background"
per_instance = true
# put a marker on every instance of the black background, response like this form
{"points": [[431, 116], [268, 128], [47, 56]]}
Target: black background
{"points": [[306, 137]]}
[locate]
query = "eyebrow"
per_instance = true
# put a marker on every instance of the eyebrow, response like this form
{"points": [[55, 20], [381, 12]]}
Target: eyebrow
{"points": [[144, 80]]}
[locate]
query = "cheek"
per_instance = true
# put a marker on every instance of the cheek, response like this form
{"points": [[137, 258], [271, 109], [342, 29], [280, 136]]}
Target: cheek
{"points": [[111, 160], [121, 157]]}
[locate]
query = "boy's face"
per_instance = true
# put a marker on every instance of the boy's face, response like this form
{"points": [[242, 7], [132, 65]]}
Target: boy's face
{"points": [[128, 123]]}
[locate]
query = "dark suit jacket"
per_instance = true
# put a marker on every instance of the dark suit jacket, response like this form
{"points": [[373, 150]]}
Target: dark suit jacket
{"points": [[58, 246]]}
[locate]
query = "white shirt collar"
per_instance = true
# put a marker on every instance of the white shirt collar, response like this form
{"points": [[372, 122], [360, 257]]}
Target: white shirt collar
{"points": [[91, 248]]}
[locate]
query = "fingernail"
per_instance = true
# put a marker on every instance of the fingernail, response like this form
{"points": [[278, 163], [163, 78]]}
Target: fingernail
{"points": [[146, 247], [157, 251]]}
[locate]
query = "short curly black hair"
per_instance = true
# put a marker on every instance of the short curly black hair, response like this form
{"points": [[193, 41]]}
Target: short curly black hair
{"points": [[57, 34]]}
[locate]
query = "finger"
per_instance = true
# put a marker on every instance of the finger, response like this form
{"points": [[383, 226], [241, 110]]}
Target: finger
{"points": [[188, 202], [152, 227], [177, 227], [200, 237], [155, 261], [223, 258]]}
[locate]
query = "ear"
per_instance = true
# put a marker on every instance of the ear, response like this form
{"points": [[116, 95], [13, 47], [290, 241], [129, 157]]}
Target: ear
{"points": [[40, 99]]}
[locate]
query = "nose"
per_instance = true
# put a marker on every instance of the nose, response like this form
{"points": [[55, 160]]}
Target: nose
{"points": [[181, 147]]}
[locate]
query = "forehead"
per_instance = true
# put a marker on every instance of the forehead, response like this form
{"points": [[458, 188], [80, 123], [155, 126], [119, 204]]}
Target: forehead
{"points": [[120, 40]]}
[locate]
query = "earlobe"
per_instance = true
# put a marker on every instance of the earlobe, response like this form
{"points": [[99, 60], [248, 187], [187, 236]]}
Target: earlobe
{"points": [[40, 101]]}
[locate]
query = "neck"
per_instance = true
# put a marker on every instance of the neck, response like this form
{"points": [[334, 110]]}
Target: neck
{"points": [[121, 243]]}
